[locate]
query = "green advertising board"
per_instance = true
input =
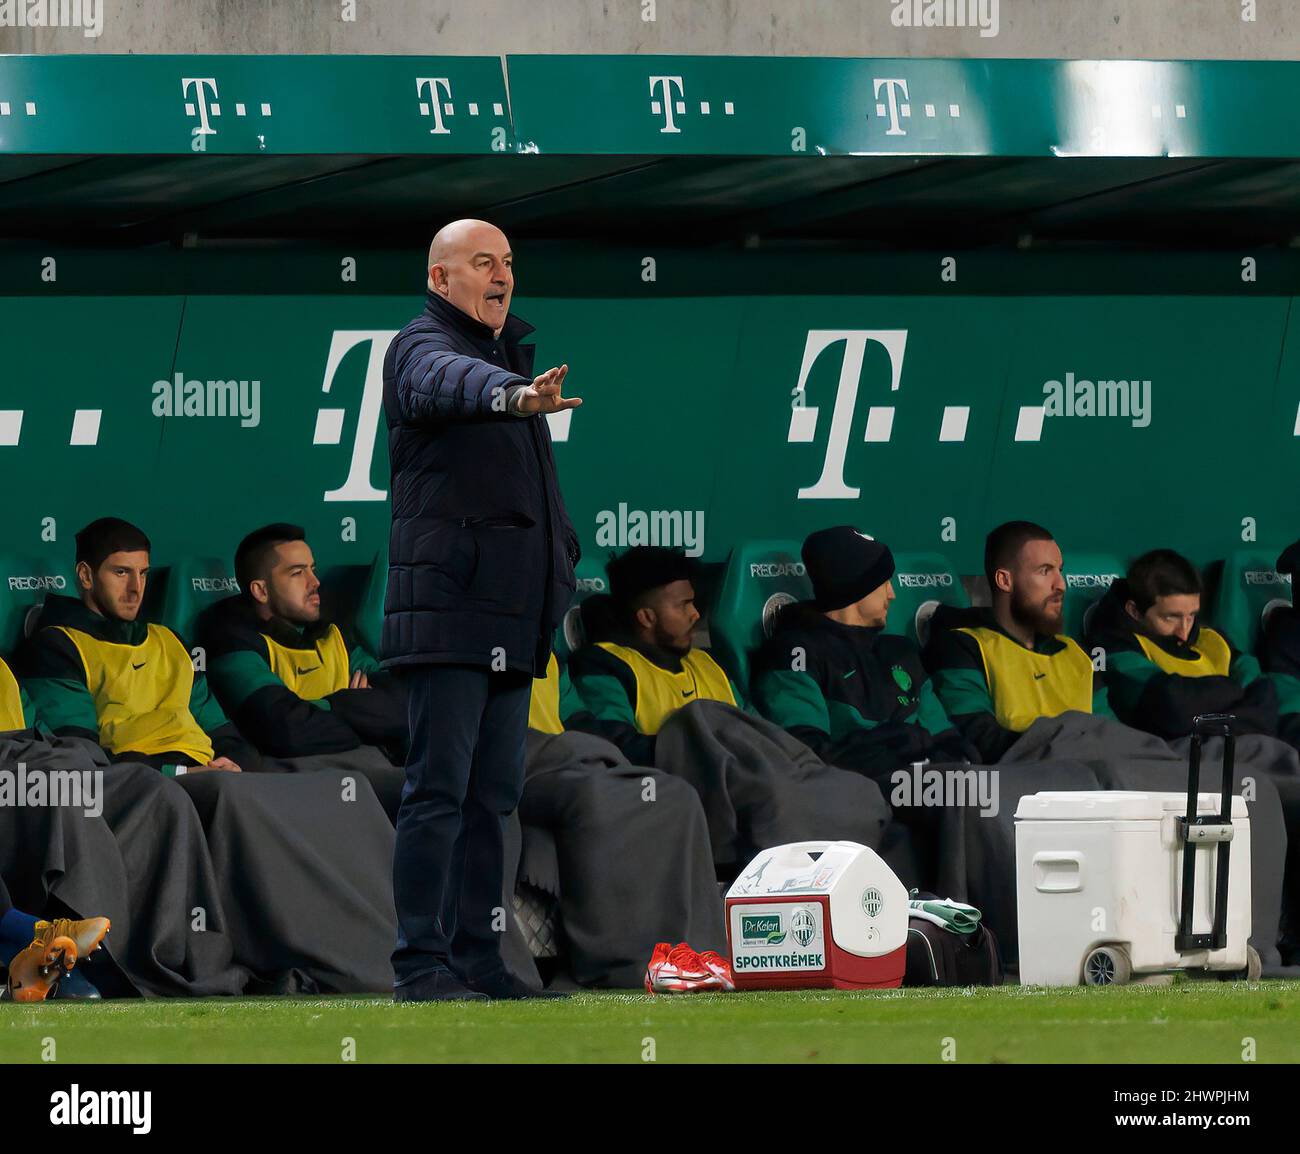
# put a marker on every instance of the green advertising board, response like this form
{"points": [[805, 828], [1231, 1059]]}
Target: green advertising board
{"points": [[765, 106], [647, 105], [1123, 423], [360, 105]]}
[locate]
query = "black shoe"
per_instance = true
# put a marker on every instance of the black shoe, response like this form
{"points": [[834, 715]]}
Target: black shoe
{"points": [[437, 986], [504, 986]]}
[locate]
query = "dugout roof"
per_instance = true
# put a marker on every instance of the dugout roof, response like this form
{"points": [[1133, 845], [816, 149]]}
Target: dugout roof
{"points": [[138, 151]]}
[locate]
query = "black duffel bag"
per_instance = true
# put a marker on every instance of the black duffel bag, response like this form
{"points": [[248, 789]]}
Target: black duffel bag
{"points": [[940, 957]]}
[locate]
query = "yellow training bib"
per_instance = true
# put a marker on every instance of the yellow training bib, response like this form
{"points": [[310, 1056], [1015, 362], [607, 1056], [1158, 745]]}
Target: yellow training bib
{"points": [[1213, 657], [142, 694], [11, 702], [660, 692], [312, 672], [1025, 685], [544, 704]]}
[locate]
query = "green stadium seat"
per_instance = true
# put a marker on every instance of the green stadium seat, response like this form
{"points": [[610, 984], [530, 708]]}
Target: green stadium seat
{"points": [[1088, 577], [369, 622], [1250, 589], [760, 577], [24, 582], [194, 584], [922, 582], [590, 572]]}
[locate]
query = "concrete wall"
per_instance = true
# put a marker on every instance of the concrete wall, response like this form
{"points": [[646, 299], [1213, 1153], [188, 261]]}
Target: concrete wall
{"points": [[1152, 29]]}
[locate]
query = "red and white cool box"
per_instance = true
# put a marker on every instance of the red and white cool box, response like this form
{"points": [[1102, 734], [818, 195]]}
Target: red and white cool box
{"points": [[817, 913]]}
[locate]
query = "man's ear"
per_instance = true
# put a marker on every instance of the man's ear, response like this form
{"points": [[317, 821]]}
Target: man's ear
{"points": [[1131, 608], [1002, 580], [438, 278], [259, 592], [645, 617], [85, 575]]}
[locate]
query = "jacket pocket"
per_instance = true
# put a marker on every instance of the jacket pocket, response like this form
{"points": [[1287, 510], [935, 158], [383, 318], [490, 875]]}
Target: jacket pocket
{"points": [[501, 567], [445, 556]]}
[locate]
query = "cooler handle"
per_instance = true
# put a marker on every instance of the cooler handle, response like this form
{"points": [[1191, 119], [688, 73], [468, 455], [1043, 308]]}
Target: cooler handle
{"points": [[1191, 827]]}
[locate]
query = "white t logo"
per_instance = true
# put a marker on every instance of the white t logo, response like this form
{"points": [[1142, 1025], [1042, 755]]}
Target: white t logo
{"points": [[880, 419], [329, 422], [892, 90], [667, 101], [439, 87], [200, 85]]}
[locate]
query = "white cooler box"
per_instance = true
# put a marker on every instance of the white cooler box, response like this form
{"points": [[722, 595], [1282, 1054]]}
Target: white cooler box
{"points": [[817, 913], [1099, 887]]}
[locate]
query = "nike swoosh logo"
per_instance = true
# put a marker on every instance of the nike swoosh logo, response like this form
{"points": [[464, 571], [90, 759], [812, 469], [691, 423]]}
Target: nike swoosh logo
{"points": [[140, 666], [849, 674], [311, 670], [688, 693], [1039, 676]]}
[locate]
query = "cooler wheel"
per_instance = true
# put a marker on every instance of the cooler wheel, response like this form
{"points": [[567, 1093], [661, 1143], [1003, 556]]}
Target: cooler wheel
{"points": [[1254, 967], [1252, 973], [1107, 966]]}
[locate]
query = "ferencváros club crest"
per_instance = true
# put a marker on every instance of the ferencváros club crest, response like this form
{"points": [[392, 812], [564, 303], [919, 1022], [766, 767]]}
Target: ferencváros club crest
{"points": [[771, 607], [872, 901], [803, 927]]}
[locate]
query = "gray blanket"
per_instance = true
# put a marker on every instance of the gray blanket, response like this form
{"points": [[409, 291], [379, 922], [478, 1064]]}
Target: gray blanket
{"points": [[761, 787], [143, 863], [632, 863], [386, 781], [385, 778], [216, 883], [304, 863]]}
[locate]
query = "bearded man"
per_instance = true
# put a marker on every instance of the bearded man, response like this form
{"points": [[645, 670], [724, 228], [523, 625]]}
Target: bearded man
{"points": [[999, 669]]}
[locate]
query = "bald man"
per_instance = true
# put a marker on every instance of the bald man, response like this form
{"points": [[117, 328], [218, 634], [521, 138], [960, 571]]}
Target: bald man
{"points": [[481, 557]]}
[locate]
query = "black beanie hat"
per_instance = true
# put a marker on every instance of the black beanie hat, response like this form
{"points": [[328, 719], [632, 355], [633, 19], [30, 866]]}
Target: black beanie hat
{"points": [[643, 568], [844, 566]]}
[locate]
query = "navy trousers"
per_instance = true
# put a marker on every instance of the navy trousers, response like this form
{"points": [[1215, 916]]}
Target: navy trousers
{"points": [[464, 776]]}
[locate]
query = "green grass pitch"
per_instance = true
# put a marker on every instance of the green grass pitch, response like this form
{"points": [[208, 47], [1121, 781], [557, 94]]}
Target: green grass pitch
{"points": [[1188, 1021]]}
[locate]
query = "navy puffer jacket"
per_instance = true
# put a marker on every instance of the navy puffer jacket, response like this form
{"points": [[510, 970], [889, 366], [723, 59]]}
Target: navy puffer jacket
{"points": [[481, 551]]}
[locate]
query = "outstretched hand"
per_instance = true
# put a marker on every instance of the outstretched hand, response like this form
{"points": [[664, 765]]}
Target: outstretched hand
{"points": [[544, 395]]}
